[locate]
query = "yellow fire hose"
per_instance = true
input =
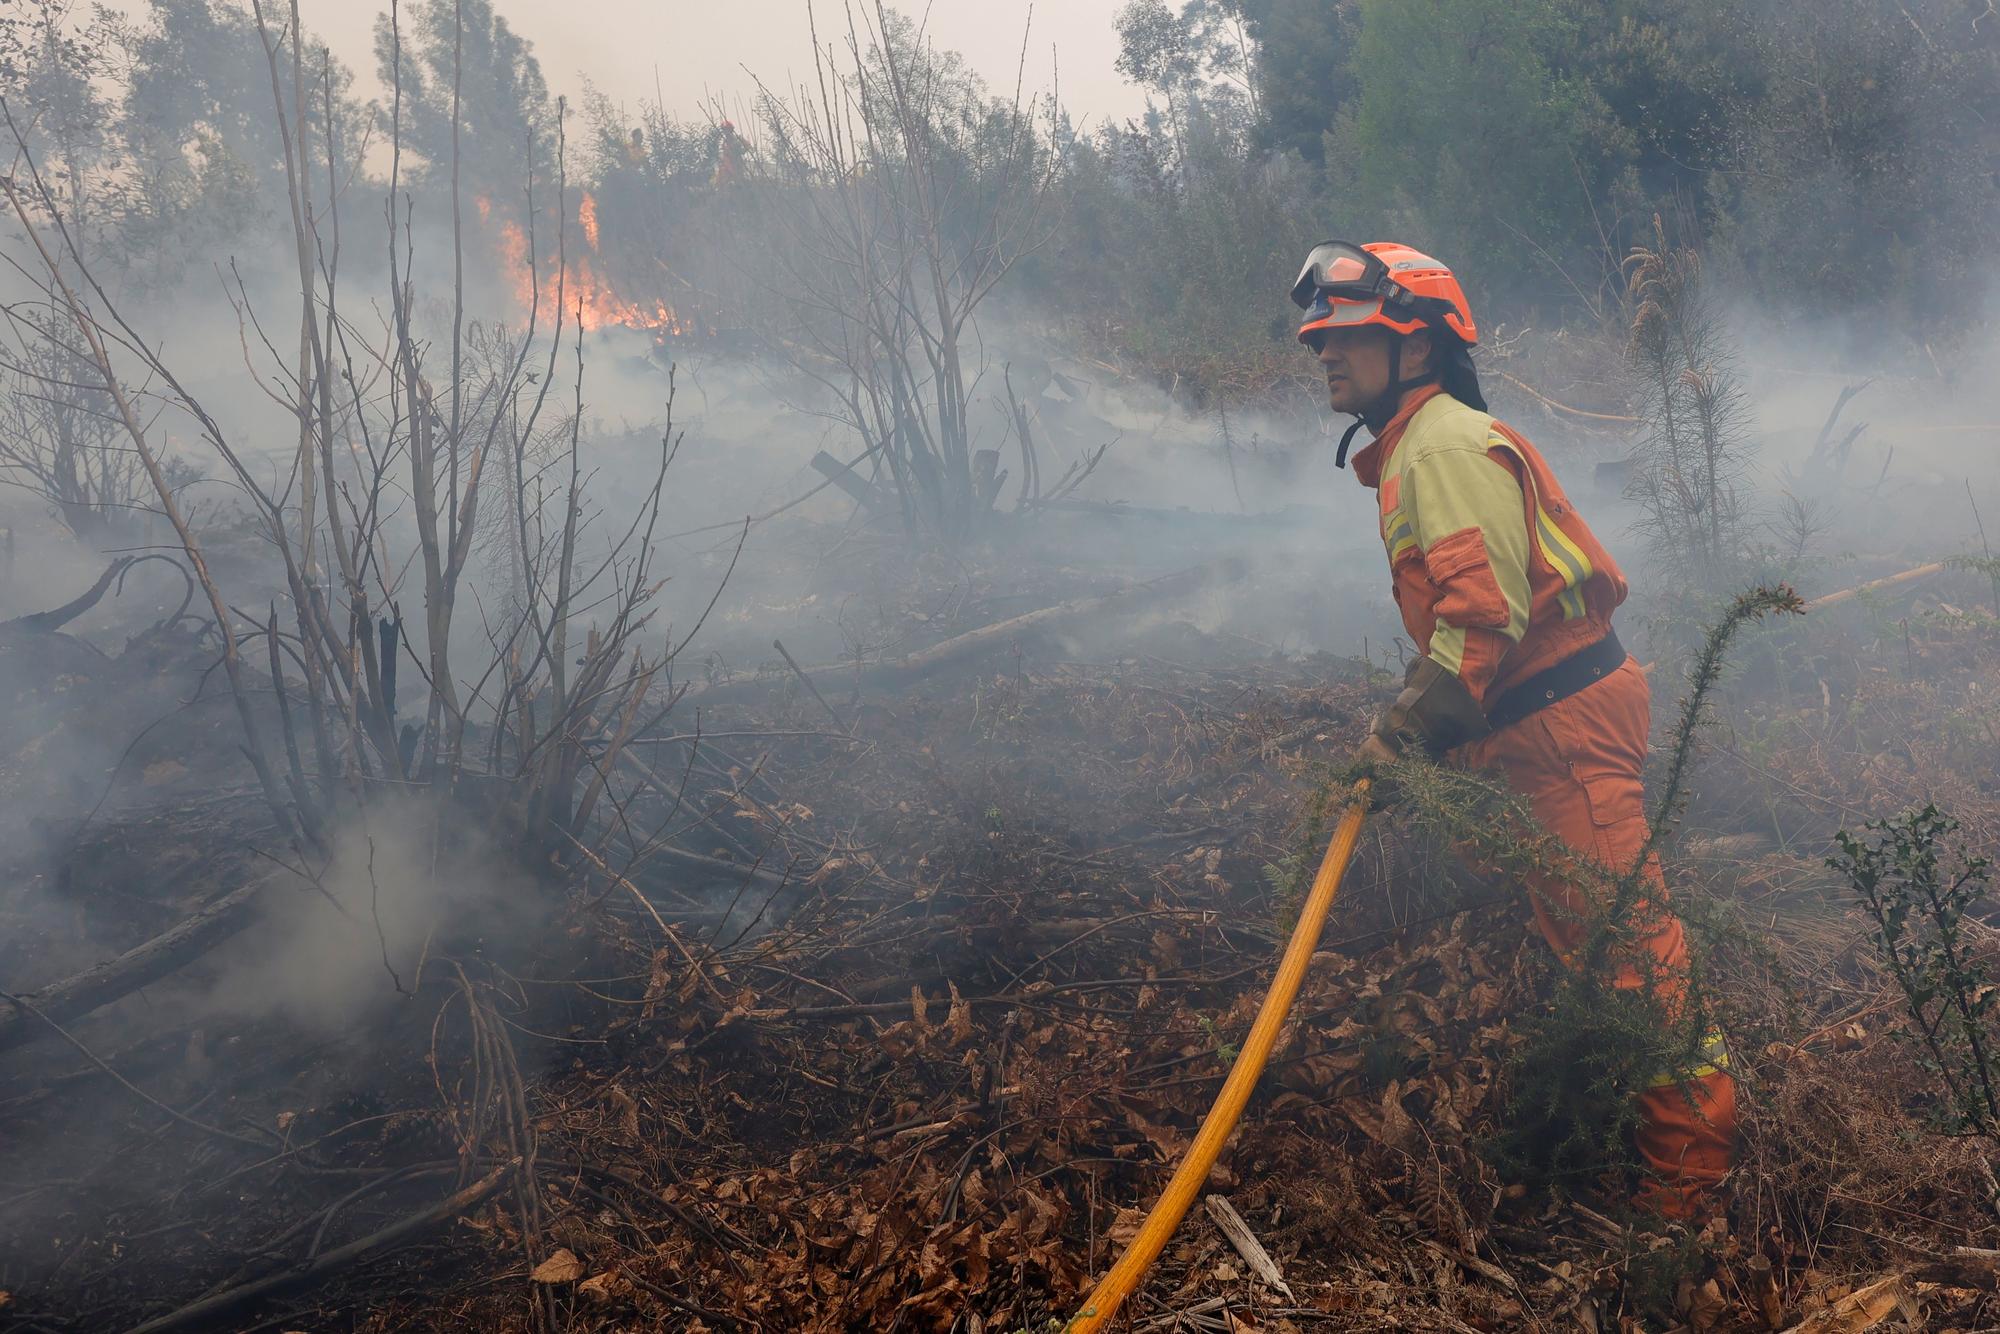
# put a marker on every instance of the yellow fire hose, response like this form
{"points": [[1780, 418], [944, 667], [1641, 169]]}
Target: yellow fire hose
{"points": [[1112, 1290]]}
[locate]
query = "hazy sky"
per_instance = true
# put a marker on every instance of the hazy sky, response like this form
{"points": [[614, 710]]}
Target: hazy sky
{"points": [[698, 49]]}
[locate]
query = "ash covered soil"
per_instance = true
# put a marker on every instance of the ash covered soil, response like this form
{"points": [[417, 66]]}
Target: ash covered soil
{"points": [[903, 1019]]}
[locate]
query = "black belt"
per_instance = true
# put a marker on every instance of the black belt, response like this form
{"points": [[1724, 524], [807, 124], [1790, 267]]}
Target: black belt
{"points": [[1559, 682]]}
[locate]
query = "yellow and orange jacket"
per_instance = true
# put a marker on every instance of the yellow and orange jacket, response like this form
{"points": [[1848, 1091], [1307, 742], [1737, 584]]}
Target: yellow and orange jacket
{"points": [[1496, 575]]}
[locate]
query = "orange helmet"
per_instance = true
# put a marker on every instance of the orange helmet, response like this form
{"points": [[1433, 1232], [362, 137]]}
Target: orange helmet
{"points": [[1343, 285]]}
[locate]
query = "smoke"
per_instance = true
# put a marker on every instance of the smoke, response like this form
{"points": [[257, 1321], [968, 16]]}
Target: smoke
{"points": [[1168, 486], [404, 886], [1175, 487], [1901, 476], [120, 739]]}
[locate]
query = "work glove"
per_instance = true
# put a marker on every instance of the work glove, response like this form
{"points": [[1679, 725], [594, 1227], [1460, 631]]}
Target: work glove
{"points": [[1433, 714], [1378, 759]]}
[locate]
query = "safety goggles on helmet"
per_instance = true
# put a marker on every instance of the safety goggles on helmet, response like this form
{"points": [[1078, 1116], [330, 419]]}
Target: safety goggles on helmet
{"points": [[1343, 271], [1344, 285]]}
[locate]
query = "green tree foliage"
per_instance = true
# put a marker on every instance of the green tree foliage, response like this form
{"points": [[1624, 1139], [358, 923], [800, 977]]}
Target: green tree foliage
{"points": [[1200, 59], [1665, 80], [1826, 161], [159, 130], [656, 184], [1917, 894], [1304, 70], [53, 60], [505, 118], [1864, 177], [1155, 46], [1463, 136], [199, 116], [1821, 158], [1169, 256], [1170, 228]]}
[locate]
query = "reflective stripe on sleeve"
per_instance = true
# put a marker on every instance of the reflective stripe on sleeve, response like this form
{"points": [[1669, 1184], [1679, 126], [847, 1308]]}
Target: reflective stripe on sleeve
{"points": [[1401, 535], [1564, 556], [1568, 561]]}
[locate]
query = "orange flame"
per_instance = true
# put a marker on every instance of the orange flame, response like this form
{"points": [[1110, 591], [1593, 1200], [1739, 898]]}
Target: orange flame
{"points": [[587, 296]]}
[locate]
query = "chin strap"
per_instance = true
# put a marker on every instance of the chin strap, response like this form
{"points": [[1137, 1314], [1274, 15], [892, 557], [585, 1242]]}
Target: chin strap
{"points": [[1340, 454], [1391, 400]]}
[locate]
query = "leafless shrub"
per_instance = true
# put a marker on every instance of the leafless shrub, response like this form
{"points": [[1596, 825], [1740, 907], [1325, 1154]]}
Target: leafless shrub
{"points": [[899, 197], [60, 436], [1692, 409]]}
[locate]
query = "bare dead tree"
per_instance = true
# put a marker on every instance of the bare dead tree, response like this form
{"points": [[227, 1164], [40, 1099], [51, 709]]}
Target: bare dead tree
{"points": [[59, 289], [447, 432]]}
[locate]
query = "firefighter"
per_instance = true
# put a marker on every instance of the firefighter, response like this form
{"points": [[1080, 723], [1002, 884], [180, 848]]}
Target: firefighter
{"points": [[729, 149], [1508, 598]]}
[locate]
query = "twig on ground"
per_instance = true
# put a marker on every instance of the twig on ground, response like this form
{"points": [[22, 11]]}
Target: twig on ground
{"points": [[260, 1145], [807, 682], [332, 1261], [1232, 1226]]}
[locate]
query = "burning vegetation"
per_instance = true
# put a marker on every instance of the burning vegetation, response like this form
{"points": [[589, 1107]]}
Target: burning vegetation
{"points": [[577, 283], [618, 723]]}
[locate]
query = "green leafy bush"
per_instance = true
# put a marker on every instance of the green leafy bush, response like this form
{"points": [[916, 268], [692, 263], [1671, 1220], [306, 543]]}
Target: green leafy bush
{"points": [[1917, 892]]}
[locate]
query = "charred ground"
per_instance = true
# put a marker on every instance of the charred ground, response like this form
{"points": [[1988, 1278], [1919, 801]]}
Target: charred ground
{"points": [[965, 967]]}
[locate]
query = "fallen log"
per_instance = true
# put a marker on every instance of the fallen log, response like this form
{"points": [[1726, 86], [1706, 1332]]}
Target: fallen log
{"points": [[853, 483], [1873, 585], [990, 637], [330, 1262], [720, 866], [1550, 403], [100, 984], [994, 637], [1472, 1264], [42, 622], [1286, 516], [1862, 1309], [1975, 1267]]}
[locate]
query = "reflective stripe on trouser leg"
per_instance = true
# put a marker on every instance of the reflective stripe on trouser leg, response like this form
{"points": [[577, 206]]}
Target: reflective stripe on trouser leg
{"points": [[1711, 1058], [1579, 763]]}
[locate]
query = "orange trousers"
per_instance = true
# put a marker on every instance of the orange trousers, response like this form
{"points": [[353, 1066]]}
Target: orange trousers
{"points": [[1579, 764]]}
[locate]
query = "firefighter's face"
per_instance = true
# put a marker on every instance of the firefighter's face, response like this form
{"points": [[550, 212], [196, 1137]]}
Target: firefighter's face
{"points": [[1356, 362]]}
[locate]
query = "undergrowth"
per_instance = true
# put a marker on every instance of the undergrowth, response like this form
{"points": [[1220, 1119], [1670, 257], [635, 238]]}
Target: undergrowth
{"points": [[1291, 875], [1917, 891], [1594, 1044]]}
